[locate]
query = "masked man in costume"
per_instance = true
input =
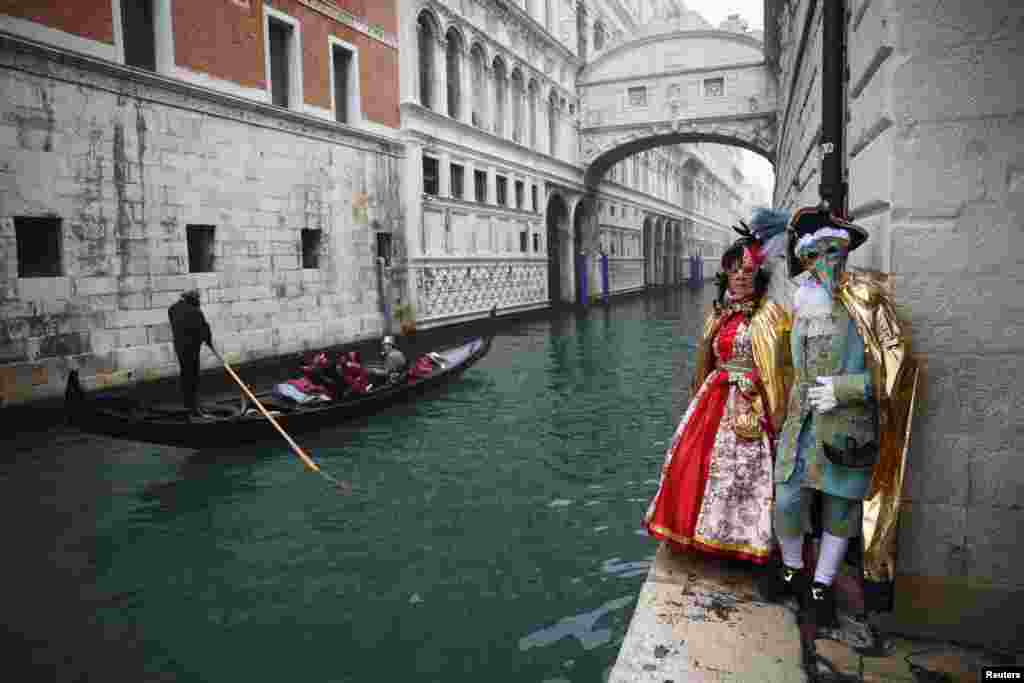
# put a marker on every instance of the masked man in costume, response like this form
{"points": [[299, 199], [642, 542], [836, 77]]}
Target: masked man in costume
{"points": [[847, 418]]}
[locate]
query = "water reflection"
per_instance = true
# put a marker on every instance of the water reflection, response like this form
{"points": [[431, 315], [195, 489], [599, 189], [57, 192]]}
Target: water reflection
{"points": [[580, 627]]}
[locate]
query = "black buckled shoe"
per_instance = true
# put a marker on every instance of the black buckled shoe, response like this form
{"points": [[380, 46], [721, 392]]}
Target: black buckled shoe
{"points": [[778, 583], [820, 605]]}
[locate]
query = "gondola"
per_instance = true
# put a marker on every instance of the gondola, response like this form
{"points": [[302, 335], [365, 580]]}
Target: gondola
{"points": [[123, 417]]}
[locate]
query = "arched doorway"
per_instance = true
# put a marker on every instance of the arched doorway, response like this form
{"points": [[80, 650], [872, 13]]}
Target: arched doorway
{"points": [[557, 229]]}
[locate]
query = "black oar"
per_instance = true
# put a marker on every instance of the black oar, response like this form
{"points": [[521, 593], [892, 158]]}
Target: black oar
{"points": [[308, 461]]}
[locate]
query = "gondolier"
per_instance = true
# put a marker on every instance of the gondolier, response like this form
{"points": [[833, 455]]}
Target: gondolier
{"points": [[394, 360], [191, 331]]}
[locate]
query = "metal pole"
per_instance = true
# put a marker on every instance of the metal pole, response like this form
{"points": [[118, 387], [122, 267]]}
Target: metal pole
{"points": [[834, 73]]}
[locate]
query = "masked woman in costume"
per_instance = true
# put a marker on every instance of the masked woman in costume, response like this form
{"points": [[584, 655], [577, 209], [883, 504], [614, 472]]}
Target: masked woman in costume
{"points": [[715, 493]]}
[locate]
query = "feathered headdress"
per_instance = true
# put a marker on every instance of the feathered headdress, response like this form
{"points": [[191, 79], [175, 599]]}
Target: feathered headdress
{"points": [[767, 229]]}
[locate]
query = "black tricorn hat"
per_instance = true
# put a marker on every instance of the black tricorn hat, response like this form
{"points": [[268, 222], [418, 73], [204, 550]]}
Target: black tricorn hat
{"points": [[808, 221]]}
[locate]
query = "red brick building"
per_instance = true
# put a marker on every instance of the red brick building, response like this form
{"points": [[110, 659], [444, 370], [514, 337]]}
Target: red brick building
{"points": [[245, 147]]}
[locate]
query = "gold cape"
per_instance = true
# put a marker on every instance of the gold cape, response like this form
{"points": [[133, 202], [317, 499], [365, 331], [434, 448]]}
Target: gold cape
{"points": [[867, 296]]}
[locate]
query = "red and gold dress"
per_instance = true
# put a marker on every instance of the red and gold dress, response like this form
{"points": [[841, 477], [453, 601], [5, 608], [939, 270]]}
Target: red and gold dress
{"points": [[715, 493]]}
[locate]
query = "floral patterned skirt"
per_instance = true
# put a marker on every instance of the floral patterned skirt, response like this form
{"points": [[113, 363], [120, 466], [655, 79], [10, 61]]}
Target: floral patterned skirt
{"points": [[715, 493]]}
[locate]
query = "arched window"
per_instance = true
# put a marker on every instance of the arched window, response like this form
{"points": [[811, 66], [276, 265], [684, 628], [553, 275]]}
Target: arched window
{"points": [[426, 39], [598, 36], [500, 95], [453, 58], [533, 95], [517, 106], [478, 85], [553, 124]]}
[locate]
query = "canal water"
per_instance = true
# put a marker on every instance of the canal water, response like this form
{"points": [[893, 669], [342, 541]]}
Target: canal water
{"points": [[493, 532]]}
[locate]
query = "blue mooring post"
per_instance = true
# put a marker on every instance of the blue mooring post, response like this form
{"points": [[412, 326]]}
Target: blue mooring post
{"points": [[604, 277], [581, 279]]}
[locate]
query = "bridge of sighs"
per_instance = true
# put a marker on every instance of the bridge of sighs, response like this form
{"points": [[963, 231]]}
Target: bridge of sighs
{"points": [[675, 85]]}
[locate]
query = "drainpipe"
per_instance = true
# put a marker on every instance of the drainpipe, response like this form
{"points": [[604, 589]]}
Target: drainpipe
{"points": [[834, 77]]}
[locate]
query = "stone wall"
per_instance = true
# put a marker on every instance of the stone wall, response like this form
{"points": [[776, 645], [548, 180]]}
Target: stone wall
{"points": [[126, 162], [935, 153]]}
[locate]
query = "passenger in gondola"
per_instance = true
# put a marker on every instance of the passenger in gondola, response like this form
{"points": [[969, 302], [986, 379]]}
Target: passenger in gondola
{"points": [[423, 367], [323, 374], [715, 491], [355, 377], [190, 331]]}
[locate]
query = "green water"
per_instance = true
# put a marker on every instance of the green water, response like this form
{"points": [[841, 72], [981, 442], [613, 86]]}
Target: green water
{"points": [[493, 533]]}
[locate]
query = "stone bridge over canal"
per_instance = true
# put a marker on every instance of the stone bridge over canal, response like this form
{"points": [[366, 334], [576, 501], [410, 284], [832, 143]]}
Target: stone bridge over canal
{"points": [[676, 87]]}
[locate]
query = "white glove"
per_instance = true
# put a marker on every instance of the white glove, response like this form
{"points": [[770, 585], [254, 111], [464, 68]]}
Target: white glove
{"points": [[823, 398]]}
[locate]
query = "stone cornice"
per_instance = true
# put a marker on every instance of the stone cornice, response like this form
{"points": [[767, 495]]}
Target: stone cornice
{"points": [[656, 126], [331, 10], [415, 108], [671, 73], [673, 35], [510, 11], [512, 60]]}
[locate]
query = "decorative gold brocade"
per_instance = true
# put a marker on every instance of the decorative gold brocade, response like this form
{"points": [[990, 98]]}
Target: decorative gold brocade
{"points": [[769, 336], [770, 326]]}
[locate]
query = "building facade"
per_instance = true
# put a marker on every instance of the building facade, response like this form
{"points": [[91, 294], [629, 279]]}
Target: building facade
{"points": [[930, 140], [497, 208], [245, 148], [286, 158]]}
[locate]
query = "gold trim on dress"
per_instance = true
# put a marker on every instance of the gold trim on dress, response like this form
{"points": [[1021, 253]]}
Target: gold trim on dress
{"points": [[730, 547]]}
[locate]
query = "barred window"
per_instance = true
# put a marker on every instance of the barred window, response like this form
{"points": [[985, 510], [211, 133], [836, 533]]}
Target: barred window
{"points": [[638, 96], [480, 185], [501, 191], [431, 181], [457, 180]]}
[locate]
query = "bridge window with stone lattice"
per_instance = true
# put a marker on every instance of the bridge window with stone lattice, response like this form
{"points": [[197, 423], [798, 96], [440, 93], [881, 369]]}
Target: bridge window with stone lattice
{"points": [[638, 96], [714, 87]]}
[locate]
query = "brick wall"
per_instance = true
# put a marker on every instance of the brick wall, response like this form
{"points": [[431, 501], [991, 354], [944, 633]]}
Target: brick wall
{"points": [[127, 173], [936, 160], [91, 19], [222, 39], [378, 62], [225, 41]]}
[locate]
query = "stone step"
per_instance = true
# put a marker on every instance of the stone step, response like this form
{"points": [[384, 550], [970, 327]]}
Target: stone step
{"points": [[701, 619]]}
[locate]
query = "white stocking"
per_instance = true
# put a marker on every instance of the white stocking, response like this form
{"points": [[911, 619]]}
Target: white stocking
{"points": [[792, 551], [831, 554]]}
